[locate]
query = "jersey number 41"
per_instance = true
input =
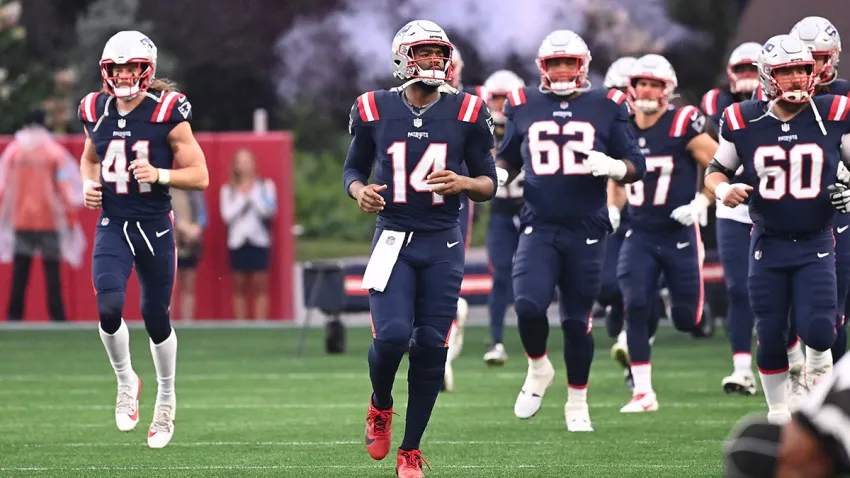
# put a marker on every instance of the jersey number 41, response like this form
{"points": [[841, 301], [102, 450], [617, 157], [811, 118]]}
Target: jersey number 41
{"points": [[114, 167]]}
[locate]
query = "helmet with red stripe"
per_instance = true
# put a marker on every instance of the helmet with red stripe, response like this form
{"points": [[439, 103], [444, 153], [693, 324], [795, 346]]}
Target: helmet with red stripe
{"points": [[618, 73], [498, 86], [786, 69], [652, 84], [128, 64], [823, 40], [421, 51], [564, 61], [741, 69]]}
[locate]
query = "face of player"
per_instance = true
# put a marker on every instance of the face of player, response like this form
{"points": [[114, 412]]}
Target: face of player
{"points": [[648, 89], [126, 75], [562, 69], [429, 57], [792, 78], [820, 62], [497, 108]]}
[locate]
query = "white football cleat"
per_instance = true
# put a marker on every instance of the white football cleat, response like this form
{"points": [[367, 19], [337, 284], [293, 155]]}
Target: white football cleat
{"points": [[642, 402], [448, 378], [620, 351], [162, 428], [127, 405], [577, 417], [540, 376], [741, 383], [779, 417], [496, 355], [462, 313], [816, 375], [797, 389]]}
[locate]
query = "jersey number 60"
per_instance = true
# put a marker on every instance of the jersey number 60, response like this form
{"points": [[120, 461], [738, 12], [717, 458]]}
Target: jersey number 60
{"points": [[114, 166], [776, 181]]}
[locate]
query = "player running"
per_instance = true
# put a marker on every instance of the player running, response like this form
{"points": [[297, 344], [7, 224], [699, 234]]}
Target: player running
{"points": [[503, 228], [789, 148], [137, 129], [567, 137], [664, 208], [419, 136]]}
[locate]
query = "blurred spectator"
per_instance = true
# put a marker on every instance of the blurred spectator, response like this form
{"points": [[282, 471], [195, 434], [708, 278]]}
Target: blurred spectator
{"points": [[248, 202], [190, 220], [39, 197]]}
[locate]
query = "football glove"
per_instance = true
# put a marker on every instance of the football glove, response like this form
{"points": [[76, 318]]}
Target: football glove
{"points": [[839, 194], [843, 173], [692, 212], [600, 164], [614, 217], [502, 176]]}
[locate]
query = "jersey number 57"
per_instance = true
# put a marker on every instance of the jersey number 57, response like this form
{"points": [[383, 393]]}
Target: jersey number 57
{"points": [[114, 166]]}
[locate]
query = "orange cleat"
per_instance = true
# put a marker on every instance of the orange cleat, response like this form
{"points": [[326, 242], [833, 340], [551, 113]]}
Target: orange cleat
{"points": [[379, 425], [409, 464]]}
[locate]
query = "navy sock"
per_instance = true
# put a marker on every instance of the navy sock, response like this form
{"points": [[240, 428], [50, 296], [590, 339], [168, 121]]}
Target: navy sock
{"points": [[498, 304], [638, 333], [534, 333], [384, 359], [578, 352], [424, 380]]}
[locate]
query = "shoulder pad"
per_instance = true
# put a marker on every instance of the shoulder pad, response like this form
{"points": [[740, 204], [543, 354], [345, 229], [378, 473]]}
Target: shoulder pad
{"points": [[616, 96], [469, 108], [839, 105], [733, 118], [172, 107], [709, 102], [91, 107], [367, 107], [517, 97], [684, 117]]}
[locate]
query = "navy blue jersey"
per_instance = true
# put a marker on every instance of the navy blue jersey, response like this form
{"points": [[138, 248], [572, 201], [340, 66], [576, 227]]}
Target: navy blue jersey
{"points": [[140, 134], [671, 171], [714, 102], [837, 87], [405, 146], [541, 131], [789, 164]]}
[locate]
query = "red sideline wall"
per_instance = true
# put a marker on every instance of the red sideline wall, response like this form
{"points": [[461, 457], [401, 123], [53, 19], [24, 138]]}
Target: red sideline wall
{"points": [[274, 153]]}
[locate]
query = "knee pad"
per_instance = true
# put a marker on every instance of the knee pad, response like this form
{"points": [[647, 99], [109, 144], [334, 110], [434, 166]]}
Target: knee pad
{"points": [[527, 308], [157, 321], [819, 334], [428, 336], [575, 329], [110, 305]]}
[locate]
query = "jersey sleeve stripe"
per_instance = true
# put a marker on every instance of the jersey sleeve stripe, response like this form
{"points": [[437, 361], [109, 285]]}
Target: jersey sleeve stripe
{"points": [[90, 107], [709, 102], [469, 109], [616, 96], [838, 111], [734, 118], [761, 95], [366, 106], [517, 97], [681, 120], [160, 113]]}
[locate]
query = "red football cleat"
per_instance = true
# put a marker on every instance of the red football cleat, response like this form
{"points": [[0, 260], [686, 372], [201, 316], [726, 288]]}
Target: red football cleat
{"points": [[409, 464], [379, 424]]}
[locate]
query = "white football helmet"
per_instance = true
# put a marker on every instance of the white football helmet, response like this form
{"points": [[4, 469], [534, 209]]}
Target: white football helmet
{"points": [[500, 84], [457, 68], [125, 47], [652, 67], [783, 51], [618, 73], [563, 44], [412, 35], [743, 81], [822, 38]]}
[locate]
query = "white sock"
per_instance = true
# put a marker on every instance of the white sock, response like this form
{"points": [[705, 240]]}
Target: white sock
{"points": [[539, 363], [621, 338], [775, 387], [815, 359], [165, 362], [577, 396], [795, 355], [743, 363], [642, 375], [118, 349]]}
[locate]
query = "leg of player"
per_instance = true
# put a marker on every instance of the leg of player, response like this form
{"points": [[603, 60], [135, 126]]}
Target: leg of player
{"points": [[112, 264], [733, 243], [683, 273], [578, 285], [441, 274], [156, 268], [638, 271], [770, 291], [842, 275], [535, 275], [611, 299], [455, 341], [392, 326], [502, 237]]}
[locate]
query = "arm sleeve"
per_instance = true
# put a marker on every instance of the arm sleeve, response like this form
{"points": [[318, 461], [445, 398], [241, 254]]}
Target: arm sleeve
{"points": [[361, 151], [727, 153], [827, 413], [622, 143], [478, 155], [510, 148]]}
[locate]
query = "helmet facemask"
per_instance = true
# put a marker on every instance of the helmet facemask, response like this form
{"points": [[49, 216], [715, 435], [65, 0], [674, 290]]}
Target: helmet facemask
{"points": [[496, 103], [827, 73], [565, 77], [139, 82], [649, 94], [795, 86], [743, 77], [421, 66]]}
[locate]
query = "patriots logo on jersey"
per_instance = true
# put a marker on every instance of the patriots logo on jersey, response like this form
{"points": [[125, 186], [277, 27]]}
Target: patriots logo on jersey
{"points": [[185, 107], [491, 125]]}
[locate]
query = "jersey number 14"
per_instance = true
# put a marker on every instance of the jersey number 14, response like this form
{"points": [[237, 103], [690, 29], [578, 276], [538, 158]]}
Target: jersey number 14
{"points": [[114, 167]]}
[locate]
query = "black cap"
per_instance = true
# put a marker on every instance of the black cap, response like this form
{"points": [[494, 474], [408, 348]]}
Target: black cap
{"points": [[752, 449]]}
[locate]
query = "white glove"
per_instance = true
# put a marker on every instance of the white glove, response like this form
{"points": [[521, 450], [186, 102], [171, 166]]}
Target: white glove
{"points": [[843, 173], [839, 194], [691, 212], [614, 217], [502, 176], [600, 164]]}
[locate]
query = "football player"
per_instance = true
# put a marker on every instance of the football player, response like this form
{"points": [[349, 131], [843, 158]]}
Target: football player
{"points": [[503, 228], [790, 150], [665, 208], [419, 136], [137, 129], [734, 226], [569, 139]]}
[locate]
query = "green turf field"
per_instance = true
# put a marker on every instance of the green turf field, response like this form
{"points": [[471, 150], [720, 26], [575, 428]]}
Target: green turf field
{"points": [[247, 408]]}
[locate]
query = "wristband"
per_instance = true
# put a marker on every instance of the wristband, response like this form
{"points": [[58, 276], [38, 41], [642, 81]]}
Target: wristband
{"points": [[617, 170], [86, 184], [721, 190], [163, 176]]}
